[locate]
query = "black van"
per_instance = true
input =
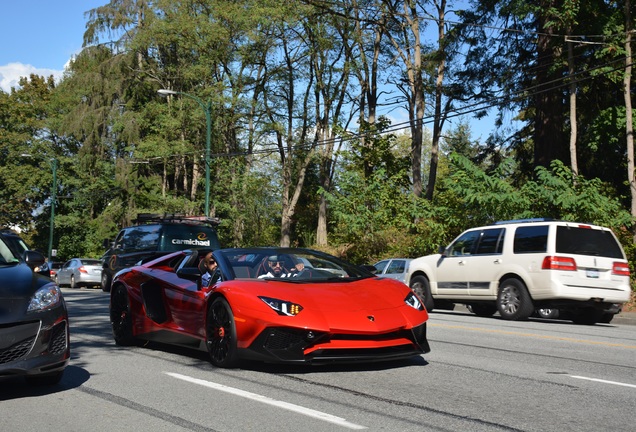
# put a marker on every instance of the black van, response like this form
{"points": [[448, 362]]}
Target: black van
{"points": [[156, 235]]}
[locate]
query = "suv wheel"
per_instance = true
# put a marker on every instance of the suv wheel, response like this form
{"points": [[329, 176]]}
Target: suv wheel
{"points": [[422, 288], [105, 281], [513, 301]]}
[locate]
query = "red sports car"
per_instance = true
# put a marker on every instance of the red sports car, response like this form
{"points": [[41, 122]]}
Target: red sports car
{"points": [[278, 305]]}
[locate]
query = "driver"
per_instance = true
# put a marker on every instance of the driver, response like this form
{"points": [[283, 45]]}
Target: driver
{"points": [[276, 268]]}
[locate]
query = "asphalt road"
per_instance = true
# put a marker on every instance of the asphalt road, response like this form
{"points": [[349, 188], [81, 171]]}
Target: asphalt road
{"points": [[483, 374]]}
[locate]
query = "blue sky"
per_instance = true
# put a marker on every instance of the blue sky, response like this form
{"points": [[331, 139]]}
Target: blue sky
{"points": [[40, 36]]}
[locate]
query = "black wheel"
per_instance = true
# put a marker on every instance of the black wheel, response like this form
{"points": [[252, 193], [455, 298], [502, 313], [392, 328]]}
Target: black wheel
{"points": [[45, 379], [421, 287], [483, 309], [121, 317], [221, 334], [73, 285], [547, 313], [105, 281], [513, 301]]}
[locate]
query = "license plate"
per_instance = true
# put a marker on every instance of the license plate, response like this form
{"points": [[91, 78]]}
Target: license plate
{"points": [[592, 274]]}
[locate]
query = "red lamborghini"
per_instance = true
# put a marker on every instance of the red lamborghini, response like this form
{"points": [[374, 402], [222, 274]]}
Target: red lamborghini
{"points": [[278, 305]]}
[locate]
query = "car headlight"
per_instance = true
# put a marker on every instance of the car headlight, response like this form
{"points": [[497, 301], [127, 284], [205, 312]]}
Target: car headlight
{"points": [[47, 297], [282, 307], [412, 300]]}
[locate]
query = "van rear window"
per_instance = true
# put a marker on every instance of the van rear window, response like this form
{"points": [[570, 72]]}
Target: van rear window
{"points": [[181, 236], [586, 241]]}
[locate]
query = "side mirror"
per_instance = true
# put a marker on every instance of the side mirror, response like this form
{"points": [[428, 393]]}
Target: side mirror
{"points": [[34, 259], [441, 250], [107, 244]]}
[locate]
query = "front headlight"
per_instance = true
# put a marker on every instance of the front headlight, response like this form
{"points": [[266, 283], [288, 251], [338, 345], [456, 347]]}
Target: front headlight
{"points": [[412, 300], [282, 307], [47, 297]]}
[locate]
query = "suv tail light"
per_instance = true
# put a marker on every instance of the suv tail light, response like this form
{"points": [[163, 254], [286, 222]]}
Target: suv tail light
{"points": [[620, 269], [558, 263]]}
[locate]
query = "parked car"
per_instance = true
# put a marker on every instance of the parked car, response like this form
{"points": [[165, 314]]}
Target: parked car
{"points": [[394, 268], [156, 235], [78, 272], [278, 305], [54, 267], [34, 331], [517, 267]]}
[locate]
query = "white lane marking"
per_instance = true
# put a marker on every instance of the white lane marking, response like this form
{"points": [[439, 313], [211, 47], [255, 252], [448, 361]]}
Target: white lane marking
{"points": [[267, 400], [603, 381]]}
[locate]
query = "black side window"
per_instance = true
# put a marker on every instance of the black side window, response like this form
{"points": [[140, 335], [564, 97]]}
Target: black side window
{"points": [[531, 239], [490, 242], [464, 244]]}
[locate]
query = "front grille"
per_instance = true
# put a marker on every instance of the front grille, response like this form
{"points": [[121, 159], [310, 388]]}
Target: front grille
{"points": [[57, 344], [17, 350]]}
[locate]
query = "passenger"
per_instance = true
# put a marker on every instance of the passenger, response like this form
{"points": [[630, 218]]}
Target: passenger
{"points": [[209, 270], [276, 268]]}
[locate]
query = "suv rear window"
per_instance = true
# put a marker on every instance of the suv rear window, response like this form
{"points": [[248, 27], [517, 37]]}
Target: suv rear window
{"points": [[182, 236], [531, 239], [586, 241]]}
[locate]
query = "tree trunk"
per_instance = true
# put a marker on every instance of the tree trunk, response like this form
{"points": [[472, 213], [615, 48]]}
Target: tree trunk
{"points": [[573, 124], [629, 125]]}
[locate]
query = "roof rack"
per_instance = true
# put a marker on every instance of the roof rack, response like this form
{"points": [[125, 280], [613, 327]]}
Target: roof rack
{"points": [[148, 218], [529, 220]]}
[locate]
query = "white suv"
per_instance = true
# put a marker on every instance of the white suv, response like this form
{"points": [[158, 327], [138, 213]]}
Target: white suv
{"points": [[515, 267]]}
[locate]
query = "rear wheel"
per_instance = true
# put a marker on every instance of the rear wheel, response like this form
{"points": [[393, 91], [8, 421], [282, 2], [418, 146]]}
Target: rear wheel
{"points": [[221, 334], [121, 317], [73, 284], [547, 313], [421, 287], [513, 300]]}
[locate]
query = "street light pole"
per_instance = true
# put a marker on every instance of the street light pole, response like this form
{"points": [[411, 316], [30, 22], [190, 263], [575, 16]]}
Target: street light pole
{"points": [[53, 163], [207, 108]]}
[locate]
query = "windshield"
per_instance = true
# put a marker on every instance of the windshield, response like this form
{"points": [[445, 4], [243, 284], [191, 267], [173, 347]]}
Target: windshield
{"points": [[290, 265]]}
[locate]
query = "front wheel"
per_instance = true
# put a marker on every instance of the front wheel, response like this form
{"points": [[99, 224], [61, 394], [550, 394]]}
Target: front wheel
{"points": [[221, 334], [547, 313], [121, 317], [421, 287], [513, 300], [105, 281]]}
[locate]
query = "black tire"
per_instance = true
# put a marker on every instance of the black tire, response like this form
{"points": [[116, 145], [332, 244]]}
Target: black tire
{"points": [[73, 284], [45, 379], [547, 313], [106, 281], [221, 334], [513, 300], [483, 309], [421, 287], [121, 317]]}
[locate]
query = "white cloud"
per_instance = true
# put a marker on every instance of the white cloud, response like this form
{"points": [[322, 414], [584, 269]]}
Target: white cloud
{"points": [[10, 74]]}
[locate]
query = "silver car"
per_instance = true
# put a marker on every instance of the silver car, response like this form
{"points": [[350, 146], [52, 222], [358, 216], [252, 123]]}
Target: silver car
{"points": [[394, 268], [78, 272]]}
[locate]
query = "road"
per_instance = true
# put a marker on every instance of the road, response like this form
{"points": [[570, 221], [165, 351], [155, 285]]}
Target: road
{"points": [[483, 374]]}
